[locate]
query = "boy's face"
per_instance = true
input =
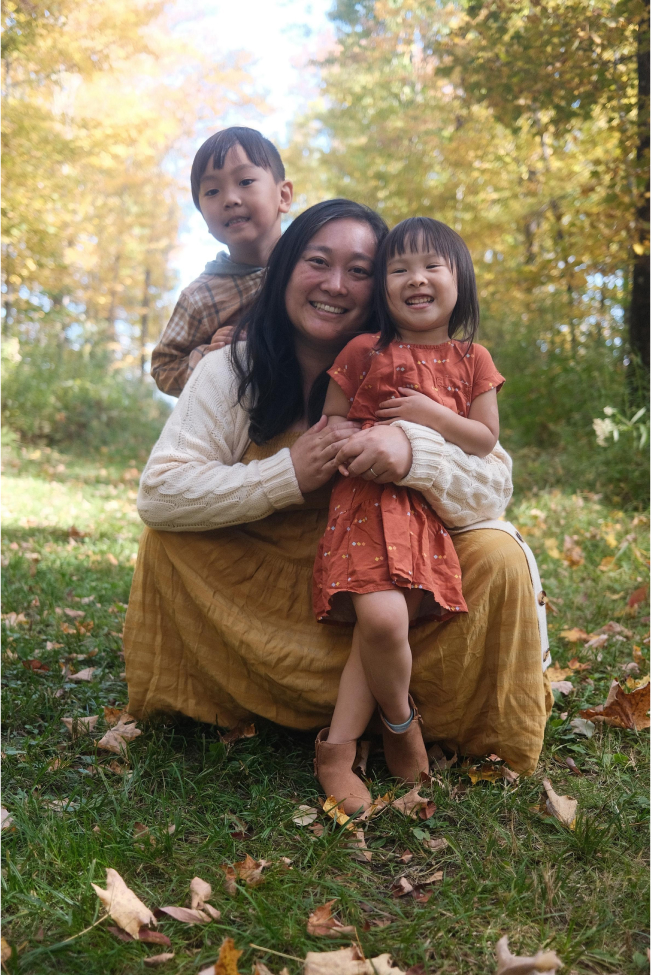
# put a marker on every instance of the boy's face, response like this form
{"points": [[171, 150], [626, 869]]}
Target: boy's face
{"points": [[242, 204]]}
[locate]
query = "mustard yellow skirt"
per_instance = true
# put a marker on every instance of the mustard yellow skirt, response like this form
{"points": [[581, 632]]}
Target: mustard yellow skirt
{"points": [[220, 628]]}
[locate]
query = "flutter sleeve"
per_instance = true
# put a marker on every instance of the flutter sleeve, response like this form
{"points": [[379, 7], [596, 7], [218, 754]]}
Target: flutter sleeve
{"points": [[352, 364], [485, 374]]}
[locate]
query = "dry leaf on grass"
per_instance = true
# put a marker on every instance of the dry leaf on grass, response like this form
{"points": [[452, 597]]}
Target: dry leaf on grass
{"points": [[7, 820], [572, 553], [562, 808], [348, 961], [414, 805], [155, 960], [226, 964], [508, 964], [576, 664], [556, 673], [438, 759], [321, 923], [86, 674], [618, 629], [562, 686], [74, 613], [184, 914], [374, 809], [200, 892], [485, 773], [116, 738], [575, 635], [36, 665], [243, 729], [80, 726], [582, 727], [5, 950], [336, 812], [144, 934], [436, 843], [307, 815], [622, 710], [248, 870], [358, 845], [123, 905], [113, 716], [639, 596], [406, 857], [401, 887], [361, 757]]}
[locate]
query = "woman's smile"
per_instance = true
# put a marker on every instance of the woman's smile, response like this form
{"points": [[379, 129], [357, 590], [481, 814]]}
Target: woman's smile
{"points": [[330, 309]]}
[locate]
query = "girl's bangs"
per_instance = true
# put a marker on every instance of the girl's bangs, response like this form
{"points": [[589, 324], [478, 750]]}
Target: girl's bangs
{"points": [[422, 234]]}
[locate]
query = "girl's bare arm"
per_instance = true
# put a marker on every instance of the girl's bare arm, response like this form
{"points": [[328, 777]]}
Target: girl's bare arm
{"points": [[476, 434]]}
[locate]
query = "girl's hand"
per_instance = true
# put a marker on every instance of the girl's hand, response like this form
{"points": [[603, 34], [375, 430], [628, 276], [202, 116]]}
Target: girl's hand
{"points": [[386, 450], [314, 455], [222, 337], [413, 406]]}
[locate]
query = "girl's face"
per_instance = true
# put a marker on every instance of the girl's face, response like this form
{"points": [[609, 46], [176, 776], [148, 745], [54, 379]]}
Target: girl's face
{"points": [[421, 294], [328, 296]]}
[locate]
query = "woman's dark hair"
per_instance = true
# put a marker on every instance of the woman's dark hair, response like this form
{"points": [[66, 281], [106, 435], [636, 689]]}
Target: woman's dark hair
{"points": [[258, 150], [268, 371], [423, 233]]}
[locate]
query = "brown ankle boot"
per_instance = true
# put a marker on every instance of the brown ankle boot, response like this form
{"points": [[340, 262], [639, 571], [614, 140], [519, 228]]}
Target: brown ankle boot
{"points": [[333, 767], [405, 751]]}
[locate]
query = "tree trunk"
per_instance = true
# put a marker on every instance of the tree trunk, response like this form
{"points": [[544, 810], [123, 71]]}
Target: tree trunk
{"points": [[638, 313]]}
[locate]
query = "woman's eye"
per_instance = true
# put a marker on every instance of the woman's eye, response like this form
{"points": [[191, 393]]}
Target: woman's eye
{"points": [[361, 270], [319, 261]]}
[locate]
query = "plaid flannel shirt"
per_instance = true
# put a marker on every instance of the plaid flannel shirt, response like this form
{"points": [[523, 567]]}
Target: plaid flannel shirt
{"points": [[215, 299]]}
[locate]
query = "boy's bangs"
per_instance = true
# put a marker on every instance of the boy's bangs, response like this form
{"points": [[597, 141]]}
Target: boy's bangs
{"points": [[254, 149], [422, 234]]}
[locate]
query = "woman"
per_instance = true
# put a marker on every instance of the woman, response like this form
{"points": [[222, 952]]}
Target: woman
{"points": [[235, 494]]}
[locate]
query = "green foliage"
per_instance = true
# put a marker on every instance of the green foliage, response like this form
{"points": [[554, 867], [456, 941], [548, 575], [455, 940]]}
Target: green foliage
{"points": [[56, 395]]}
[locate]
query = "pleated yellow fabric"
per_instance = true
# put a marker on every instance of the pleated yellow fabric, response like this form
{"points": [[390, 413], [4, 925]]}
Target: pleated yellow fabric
{"points": [[220, 628]]}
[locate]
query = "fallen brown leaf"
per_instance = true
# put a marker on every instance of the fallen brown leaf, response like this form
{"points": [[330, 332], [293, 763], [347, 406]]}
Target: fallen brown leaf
{"points": [[5, 950], [36, 665], [52, 645], [243, 729], [74, 613], [576, 664], [358, 845], [123, 905], [562, 686], [6, 819], [86, 674], [184, 914], [485, 773], [321, 923], [361, 757], [336, 812], [562, 808], [637, 655], [406, 857], [436, 843], [230, 879], [571, 764], [622, 710], [556, 673], [144, 934], [598, 641], [80, 726], [155, 960], [200, 892], [508, 964], [113, 716], [348, 961], [572, 553], [639, 596], [401, 887], [414, 805], [617, 629], [226, 964], [116, 738], [438, 759], [376, 807], [250, 870]]}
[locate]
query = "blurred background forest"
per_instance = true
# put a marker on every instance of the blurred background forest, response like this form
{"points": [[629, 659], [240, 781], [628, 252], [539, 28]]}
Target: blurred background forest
{"points": [[522, 124]]}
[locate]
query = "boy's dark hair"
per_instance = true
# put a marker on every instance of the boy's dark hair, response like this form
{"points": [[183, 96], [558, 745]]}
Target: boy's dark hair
{"points": [[259, 151], [268, 370], [418, 233]]}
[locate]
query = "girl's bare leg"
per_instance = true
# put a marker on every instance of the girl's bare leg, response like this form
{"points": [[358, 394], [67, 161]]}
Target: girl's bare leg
{"points": [[355, 703], [385, 654]]}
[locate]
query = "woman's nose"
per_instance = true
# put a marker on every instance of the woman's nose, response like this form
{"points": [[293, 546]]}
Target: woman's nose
{"points": [[334, 282]]}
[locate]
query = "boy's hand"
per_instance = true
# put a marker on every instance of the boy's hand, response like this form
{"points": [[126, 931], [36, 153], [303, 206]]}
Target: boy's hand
{"points": [[222, 337], [413, 406]]}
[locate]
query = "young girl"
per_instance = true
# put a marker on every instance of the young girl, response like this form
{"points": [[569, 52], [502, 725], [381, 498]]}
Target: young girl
{"points": [[386, 559]]}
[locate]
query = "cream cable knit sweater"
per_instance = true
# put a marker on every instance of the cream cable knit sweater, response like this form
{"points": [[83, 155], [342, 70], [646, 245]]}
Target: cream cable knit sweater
{"points": [[193, 480]]}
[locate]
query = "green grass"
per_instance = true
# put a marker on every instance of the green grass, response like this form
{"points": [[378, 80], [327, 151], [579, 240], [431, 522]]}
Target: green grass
{"points": [[507, 869]]}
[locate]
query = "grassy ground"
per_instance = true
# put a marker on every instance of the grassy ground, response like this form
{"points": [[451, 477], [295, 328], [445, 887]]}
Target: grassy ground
{"points": [[507, 869]]}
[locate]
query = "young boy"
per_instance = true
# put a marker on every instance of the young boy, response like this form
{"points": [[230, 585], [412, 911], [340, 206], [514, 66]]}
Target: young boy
{"points": [[239, 186]]}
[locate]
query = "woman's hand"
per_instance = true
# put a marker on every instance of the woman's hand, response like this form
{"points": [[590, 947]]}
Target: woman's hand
{"points": [[314, 455], [381, 454]]}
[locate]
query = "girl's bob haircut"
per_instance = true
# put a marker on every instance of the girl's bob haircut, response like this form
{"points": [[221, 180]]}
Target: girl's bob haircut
{"points": [[424, 234], [270, 382]]}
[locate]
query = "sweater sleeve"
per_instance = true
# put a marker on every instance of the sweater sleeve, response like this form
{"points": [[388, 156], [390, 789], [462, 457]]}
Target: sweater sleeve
{"points": [[461, 488], [193, 480]]}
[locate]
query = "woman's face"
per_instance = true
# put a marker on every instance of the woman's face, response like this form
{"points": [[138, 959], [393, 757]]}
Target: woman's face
{"points": [[329, 293]]}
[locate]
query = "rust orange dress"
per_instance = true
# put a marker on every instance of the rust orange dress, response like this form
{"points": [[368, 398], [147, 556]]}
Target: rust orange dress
{"points": [[382, 536]]}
